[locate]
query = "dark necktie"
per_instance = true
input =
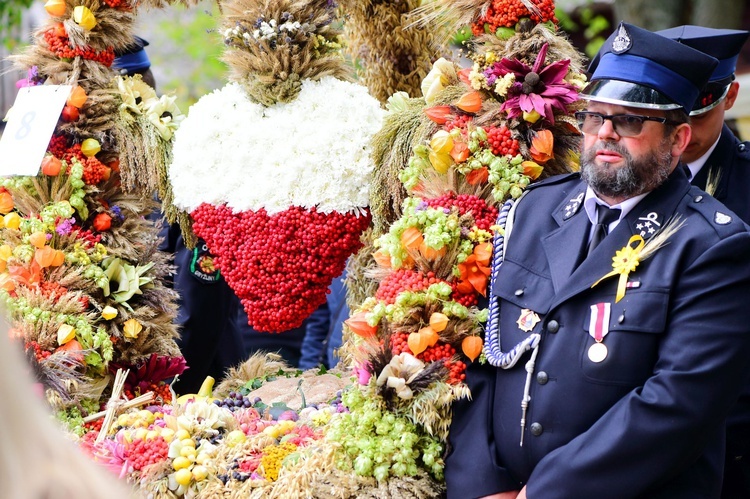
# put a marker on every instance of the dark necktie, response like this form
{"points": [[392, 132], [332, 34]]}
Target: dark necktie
{"points": [[604, 217]]}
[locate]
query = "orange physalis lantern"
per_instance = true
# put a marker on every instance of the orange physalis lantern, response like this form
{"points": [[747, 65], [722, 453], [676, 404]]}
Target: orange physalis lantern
{"points": [[102, 222], [431, 253], [411, 238], [358, 324], [541, 146], [531, 169], [438, 321], [438, 114], [470, 102], [38, 239], [417, 343], [77, 97], [430, 335], [51, 165], [472, 347], [6, 202], [59, 259], [382, 258], [44, 256], [55, 8]]}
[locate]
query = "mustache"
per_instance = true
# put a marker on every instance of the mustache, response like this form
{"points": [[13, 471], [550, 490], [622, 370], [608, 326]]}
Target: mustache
{"points": [[609, 146], [588, 155]]}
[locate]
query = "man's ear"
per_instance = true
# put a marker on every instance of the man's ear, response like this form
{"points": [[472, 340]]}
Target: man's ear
{"points": [[734, 89], [681, 139]]}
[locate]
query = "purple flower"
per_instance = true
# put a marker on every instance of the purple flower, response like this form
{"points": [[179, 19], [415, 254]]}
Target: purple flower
{"points": [[65, 226], [539, 88], [32, 78]]}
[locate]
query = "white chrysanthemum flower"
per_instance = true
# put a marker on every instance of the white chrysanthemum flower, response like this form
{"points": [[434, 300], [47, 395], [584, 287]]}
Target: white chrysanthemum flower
{"points": [[311, 152]]}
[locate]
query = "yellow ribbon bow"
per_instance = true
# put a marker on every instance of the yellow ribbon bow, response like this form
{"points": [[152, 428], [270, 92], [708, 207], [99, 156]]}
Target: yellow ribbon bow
{"points": [[624, 262]]}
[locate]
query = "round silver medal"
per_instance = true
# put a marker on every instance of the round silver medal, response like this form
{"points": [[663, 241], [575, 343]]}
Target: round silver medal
{"points": [[597, 352]]}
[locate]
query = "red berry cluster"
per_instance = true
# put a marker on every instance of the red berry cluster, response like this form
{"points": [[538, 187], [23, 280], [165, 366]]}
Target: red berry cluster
{"points": [[94, 171], [456, 371], [73, 151], [162, 393], [500, 141], [459, 121], [467, 300], [39, 353], [439, 351], [404, 280], [506, 13], [280, 266], [142, 453], [484, 214], [94, 426], [116, 3], [399, 343], [58, 144], [86, 237], [61, 48], [52, 290]]}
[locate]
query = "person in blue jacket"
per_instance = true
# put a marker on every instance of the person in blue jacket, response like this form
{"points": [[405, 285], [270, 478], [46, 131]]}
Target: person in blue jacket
{"points": [[325, 328], [618, 333], [714, 152]]}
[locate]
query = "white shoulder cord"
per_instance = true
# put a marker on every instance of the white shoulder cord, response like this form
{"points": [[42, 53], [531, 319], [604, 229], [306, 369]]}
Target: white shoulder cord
{"points": [[495, 356]]}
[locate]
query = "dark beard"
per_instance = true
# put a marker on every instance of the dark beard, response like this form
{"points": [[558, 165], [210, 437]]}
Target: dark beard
{"points": [[635, 177]]}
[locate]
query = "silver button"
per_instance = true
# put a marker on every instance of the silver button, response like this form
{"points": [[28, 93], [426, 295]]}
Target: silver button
{"points": [[519, 292], [698, 198], [542, 378], [553, 326]]}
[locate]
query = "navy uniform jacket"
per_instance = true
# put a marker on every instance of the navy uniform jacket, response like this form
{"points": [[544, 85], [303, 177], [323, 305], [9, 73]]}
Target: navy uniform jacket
{"points": [[731, 160], [648, 421], [209, 340]]}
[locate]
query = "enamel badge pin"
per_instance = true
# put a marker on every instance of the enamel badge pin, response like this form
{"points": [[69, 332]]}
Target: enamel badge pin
{"points": [[527, 320], [598, 329]]}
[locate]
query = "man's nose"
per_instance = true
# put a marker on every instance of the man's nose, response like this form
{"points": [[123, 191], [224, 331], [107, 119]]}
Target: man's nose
{"points": [[607, 131]]}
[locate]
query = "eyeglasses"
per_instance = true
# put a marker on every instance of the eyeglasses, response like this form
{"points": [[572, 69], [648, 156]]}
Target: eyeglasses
{"points": [[626, 125]]}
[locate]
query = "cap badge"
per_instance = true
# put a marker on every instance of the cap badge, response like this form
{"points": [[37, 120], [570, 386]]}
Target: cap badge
{"points": [[721, 218], [622, 41]]}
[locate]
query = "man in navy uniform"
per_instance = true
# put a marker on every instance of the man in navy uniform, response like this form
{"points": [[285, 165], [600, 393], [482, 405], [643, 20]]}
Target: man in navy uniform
{"points": [[714, 152], [618, 335]]}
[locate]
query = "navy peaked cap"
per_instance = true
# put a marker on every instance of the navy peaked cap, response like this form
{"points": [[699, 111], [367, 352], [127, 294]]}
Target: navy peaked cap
{"points": [[725, 45], [133, 59], [638, 68]]}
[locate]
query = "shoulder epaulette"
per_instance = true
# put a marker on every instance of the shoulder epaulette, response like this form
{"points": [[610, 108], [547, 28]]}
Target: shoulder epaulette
{"points": [[556, 179], [724, 221]]}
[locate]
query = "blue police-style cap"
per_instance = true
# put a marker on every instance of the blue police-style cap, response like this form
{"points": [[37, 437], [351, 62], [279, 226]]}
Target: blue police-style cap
{"points": [[638, 68], [133, 59], [723, 44]]}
